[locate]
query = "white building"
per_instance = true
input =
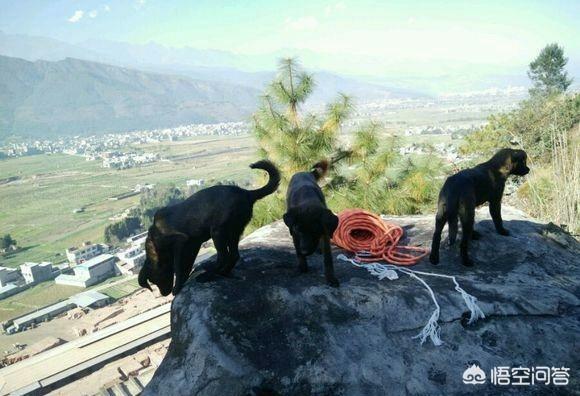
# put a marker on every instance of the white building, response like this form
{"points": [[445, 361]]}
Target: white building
{"points": [[37, 272], [46, 313], [137, 240], [131, 260], [87, 251], [195, 182], [90, 272], [90, 299]]}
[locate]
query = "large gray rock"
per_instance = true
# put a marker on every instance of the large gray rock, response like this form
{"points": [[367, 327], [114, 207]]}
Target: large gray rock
{"points": [[272, 331]]}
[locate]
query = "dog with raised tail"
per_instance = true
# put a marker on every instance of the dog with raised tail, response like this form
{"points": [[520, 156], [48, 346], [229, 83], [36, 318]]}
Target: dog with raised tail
{"points": [[219, 212], [309, 220]]}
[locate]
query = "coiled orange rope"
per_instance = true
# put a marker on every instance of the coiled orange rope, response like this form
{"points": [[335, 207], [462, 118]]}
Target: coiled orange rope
{"points": [[371, 239]]}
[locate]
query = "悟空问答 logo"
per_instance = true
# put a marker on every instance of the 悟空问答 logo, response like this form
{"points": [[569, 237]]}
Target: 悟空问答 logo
{"points": [[474, 375]]}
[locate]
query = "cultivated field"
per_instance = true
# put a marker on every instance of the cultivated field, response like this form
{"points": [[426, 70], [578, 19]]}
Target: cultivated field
{"points": [[37, 209], [34, 298], [47, 293]]}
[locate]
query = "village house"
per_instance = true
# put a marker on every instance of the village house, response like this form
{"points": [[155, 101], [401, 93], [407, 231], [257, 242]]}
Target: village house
{"points": [[9, 275], [90, 272], [77, 255], [37, 272]]}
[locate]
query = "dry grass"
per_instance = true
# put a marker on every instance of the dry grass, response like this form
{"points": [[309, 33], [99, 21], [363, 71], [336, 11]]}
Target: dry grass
{"points": [[552, 192]]}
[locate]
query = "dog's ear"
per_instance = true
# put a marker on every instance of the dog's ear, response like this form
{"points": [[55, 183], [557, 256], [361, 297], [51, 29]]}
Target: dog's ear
{"points": [[289, 218], [151, 251], [173, 237], [502, 161], [144, 277], [330, 221], [519, 156]]}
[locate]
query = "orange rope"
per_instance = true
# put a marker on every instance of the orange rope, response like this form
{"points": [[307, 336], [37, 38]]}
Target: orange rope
{"points": [[371, 239]]}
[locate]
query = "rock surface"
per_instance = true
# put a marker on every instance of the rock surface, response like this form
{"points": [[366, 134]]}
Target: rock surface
{"points": [[270, 330]]}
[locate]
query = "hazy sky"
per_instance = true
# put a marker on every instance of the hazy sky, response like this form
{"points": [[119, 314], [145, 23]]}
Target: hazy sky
{"points": [[359, 35]]}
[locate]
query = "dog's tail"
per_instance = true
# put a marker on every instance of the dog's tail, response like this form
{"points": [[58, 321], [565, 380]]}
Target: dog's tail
{"points": [[320, 169], [273, 179]]}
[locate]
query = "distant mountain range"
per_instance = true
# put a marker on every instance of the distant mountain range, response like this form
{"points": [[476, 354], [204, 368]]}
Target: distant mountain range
{"points": [[46, 89], [210, 65], [99, 86], [73, 96]]}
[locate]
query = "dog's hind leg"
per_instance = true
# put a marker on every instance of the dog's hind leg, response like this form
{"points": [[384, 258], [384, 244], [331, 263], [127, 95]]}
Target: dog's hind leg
{"points": [[220, 242], [452, 225], [467, 216], [440, 220], [234, 254]]}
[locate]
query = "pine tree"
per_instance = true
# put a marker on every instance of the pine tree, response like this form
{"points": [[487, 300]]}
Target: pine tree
{"points": [[290, 137], [363, 174], [548, 73]]}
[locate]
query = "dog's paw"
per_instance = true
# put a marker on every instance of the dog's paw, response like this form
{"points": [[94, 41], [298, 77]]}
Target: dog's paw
{"points": [[475, 235], [206, 276], [333, 282], [503, 232], [434, 259], [467, 262]]}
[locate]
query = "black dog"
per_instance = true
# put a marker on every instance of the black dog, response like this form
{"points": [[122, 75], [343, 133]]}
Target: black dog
{"points": [[218, 212], [469, 188], [309, 220]]}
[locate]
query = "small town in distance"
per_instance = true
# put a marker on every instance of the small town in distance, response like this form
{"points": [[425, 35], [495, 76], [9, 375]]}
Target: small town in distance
{"points": [[87, 265]]}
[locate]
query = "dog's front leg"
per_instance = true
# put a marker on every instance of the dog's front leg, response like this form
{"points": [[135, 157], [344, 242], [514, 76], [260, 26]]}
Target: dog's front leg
{"points": [[328, 266], [302, 263], [495, 212], [182, 272], [178, 266]]}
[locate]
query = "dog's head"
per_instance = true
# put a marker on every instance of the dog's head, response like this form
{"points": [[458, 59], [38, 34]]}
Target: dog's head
{"points": [[307, 225], [511, 162], [158, 266]]}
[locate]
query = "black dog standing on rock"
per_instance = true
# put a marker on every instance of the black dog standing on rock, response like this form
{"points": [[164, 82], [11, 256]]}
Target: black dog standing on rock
{"points": [[219, 212], [309, 220], [472, 187]]}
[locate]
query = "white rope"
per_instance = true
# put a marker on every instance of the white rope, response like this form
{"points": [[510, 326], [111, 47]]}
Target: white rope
{"points": [[432, 329]]}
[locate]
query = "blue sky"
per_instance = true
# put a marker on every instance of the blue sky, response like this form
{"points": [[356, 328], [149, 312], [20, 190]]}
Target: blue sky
{"points": [[360, 37]]}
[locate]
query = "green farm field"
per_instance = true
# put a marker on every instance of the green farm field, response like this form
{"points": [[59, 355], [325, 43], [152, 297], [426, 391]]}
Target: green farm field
{"points": [[36, 297], [122, 289], [37, 209]]}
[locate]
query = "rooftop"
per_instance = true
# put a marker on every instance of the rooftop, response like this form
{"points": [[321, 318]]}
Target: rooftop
{"points": [[30, 264], [95, 261], [87, 299], [42, 311], [8, 287], [137, 237]]}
